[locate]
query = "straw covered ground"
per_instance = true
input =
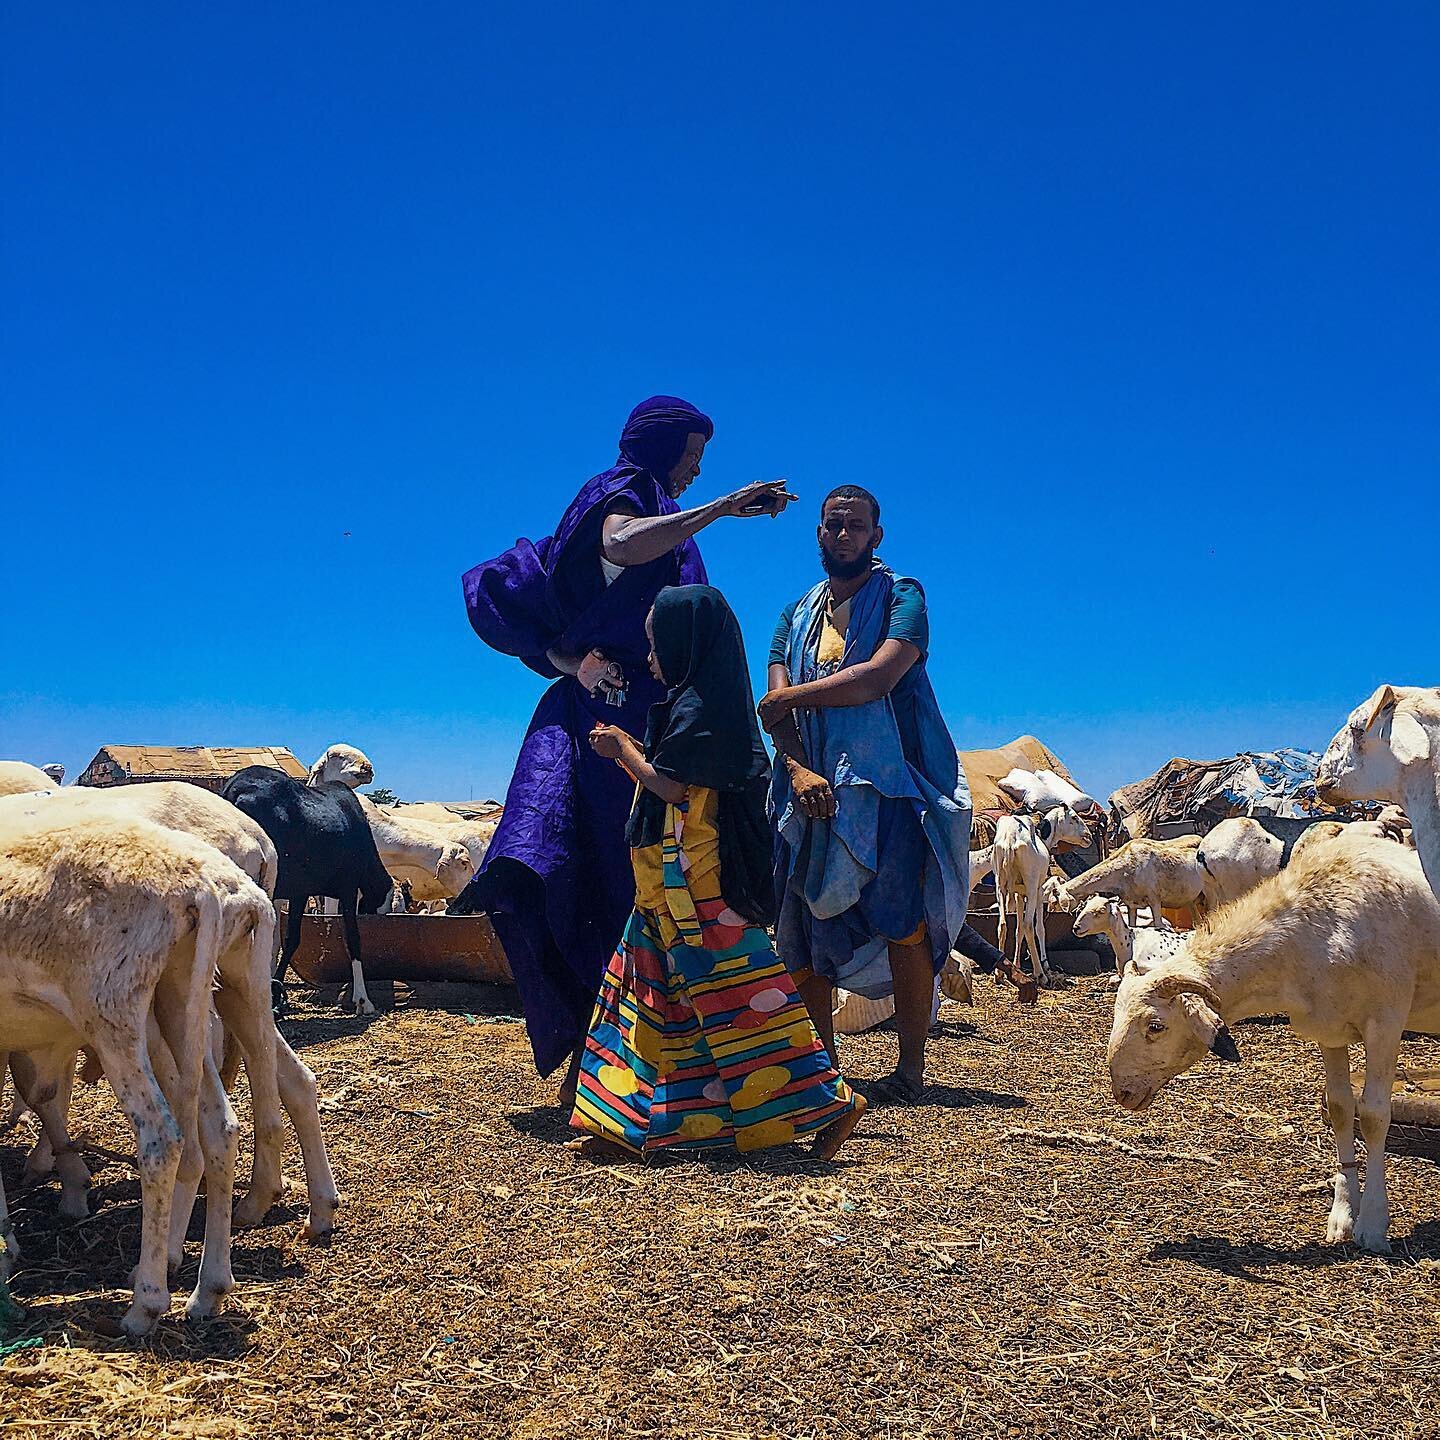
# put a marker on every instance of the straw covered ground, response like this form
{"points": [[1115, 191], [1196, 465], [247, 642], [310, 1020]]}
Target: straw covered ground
{"points": [[1014, 1257]]}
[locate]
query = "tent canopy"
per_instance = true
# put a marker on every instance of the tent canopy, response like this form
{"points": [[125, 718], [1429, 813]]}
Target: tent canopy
{"points": [[984, 769], [1192, 796]]}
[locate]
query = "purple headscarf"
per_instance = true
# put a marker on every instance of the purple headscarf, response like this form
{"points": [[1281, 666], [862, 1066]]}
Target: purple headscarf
{"points": [[654, 436]]}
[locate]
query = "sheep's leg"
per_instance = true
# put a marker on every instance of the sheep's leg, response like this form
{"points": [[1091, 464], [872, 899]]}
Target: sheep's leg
{"points": [[352, 944], [301, 1097], [1000, 927], [1340, 1106], [219, 1133], [182, 1013], [1037, 933], [46, 1077], [192, 1164], [158, 1144], [1372, 1220], [1132, 909], [244, 1004]]}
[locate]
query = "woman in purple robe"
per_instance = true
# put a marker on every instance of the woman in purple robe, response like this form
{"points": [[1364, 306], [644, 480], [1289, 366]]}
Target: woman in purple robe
{"points": [[557, 882]]}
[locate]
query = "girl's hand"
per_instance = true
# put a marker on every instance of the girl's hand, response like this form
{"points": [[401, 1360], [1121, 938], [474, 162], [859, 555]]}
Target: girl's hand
{"points": [[596, 673], [773, 708], [761, 497], [608, 741], [813, 793]]}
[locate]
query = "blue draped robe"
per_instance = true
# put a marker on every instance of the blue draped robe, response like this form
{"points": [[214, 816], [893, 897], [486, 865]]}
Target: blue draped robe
{"points": [[898, 847]]}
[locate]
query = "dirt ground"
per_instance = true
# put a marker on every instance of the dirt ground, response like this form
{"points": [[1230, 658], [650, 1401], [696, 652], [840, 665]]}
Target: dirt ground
{"points": [[985, 1264]]}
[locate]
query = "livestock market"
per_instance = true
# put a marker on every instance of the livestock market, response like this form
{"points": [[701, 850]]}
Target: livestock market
{"points": [[513, 926]]}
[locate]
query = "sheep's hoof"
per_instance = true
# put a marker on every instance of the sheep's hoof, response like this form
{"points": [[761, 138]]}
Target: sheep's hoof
{"points": [[279, 999], [1372, 1238], [364, 1007]]}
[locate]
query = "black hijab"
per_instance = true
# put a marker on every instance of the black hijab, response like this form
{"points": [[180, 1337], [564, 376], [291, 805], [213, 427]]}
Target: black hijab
{"points": [[704, 733]]}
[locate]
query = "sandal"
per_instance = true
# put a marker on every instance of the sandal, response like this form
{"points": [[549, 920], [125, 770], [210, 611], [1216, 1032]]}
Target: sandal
{"points": [[899, 1089]]}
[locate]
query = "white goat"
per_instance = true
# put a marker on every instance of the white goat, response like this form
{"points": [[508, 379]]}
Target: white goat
{"points": [[1390, 750], [1152, 873], [1346, 942], [1021, 853], [1105, 915], [426, 855], [110, 932], [344, 763]]}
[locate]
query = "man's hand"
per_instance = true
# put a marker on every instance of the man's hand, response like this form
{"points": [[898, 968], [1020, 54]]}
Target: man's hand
{"points": [[761, 497], [812, 793], [774, 707], [608, 741]]}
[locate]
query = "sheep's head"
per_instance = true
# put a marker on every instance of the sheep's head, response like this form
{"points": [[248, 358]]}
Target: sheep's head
{"points": [[1165, 1022], [344, 763], [454, 869], [373, 898], [1055, 895], [1379, 741], [1066, 828], [1099, 915]]}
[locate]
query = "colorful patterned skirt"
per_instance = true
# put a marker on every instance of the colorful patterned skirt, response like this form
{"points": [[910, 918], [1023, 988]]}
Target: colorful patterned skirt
{"points": [[703, 1045]]}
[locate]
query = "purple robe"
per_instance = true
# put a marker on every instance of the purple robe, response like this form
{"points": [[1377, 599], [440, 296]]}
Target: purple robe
{"points": [[557, 882]]}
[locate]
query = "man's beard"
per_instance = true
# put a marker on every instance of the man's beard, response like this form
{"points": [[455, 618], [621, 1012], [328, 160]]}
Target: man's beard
{"points": [[846, 569]]}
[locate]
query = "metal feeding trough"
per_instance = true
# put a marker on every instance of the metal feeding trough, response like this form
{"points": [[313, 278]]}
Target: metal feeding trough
{"points": [[414, 948]]}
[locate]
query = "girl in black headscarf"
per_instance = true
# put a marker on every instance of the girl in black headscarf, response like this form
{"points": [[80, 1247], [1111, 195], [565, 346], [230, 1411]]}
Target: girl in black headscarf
{"points": [[699, 1039]]}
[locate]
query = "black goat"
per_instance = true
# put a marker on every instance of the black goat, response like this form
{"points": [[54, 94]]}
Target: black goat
{"points": [[325, 848]]}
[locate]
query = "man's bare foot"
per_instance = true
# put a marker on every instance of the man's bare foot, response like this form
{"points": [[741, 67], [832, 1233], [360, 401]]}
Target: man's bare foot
{"points": [[834, 1135]]}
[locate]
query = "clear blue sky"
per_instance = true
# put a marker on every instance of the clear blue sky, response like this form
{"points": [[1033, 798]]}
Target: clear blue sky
{"points": [[1129, 313]]}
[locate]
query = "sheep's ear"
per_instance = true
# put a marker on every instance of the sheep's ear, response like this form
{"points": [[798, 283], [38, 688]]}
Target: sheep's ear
{"points": [[1409, 742], [1224, 1046], [1381, 701], [1043, 829]]}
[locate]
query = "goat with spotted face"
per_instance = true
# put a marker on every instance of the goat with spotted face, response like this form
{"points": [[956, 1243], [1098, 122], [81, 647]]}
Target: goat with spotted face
{"points": [[1346, 942], [1389, 749], [1021, 855]]}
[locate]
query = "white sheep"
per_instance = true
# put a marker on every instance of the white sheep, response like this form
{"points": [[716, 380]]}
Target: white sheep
{"points": [[19, 777], [104, 920], [1153, 873], [1345, 941], [436, 864], [278, 1078], [343, 763], [1389, 750]]}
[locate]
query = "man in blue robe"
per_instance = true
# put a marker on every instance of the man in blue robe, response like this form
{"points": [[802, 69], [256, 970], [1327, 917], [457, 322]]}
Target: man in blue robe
{"points": [[870, 802]]}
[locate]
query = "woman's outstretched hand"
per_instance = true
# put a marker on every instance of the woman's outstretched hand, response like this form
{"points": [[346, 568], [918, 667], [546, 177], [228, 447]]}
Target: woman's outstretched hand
{"points": [[761, 497], [608, 741], [597, 673]]}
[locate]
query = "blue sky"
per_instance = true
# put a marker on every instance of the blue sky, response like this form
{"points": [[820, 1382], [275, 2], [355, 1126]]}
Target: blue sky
{"points": [[1128, 313]]}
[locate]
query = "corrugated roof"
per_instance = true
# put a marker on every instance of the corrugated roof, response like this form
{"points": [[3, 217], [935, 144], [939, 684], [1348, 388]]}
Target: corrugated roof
{"points": [[199, 760]]}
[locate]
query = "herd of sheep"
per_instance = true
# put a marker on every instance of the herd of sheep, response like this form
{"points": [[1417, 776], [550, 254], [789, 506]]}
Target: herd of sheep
{"points": [[138, 924]]}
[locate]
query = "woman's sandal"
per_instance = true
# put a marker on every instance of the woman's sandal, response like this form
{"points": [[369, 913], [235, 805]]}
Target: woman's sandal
{"points": [[834, 1135]]}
